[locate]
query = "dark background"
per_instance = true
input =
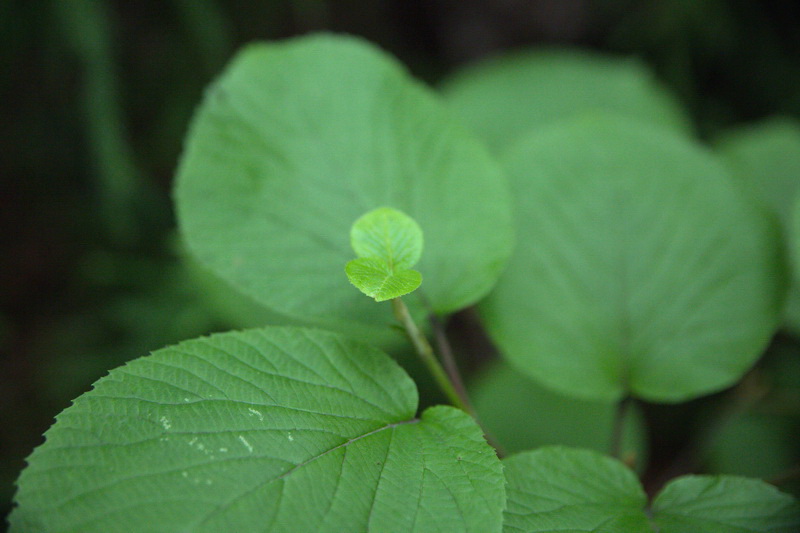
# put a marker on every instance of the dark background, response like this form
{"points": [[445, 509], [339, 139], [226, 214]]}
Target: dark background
{"points": [[95, 97]]}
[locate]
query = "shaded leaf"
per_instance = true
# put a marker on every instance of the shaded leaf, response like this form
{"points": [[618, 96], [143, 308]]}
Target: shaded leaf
{"points": [[507, 97], [522, 414], [563, 489], [765, 158]]}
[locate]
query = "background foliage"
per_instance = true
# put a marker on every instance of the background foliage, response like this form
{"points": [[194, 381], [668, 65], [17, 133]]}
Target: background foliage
{"points": [[96, 98]]}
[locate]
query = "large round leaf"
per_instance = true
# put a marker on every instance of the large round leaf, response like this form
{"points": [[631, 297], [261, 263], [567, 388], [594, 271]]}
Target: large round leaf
{"points": [[278, 429], [506, 97], [561, 489], [299, 139], [641, 269]]}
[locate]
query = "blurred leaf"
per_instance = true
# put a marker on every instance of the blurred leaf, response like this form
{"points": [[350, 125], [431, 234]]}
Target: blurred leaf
{"points": [[522, 415], [643, 270], [298, 139], [765, 157], [506, 97], [755, 445]]}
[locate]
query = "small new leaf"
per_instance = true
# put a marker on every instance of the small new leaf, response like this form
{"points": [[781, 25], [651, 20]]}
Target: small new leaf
{"points": [[376, 279], [388, 243]]}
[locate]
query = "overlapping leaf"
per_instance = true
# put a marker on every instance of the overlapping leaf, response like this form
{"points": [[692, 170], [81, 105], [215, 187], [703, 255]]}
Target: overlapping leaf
{"points": [[388, 243], [505, 98], [765, 159], [278, 429], [641, 269]]}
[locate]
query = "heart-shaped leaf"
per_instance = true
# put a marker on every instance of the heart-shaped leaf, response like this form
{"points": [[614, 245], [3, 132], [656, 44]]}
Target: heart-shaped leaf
{"points": [[298, 139], [562, 489], [507, 97], [276, 429], [642, 270]]}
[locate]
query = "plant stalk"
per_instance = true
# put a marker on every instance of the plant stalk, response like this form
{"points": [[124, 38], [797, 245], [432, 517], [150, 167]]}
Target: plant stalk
{"points": [[618, 431], [450, 382], [425, 352]]}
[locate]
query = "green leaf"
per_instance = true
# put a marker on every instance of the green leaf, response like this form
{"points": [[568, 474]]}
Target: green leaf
{"points": [[276, 429], [375, 278], [387, 242], [522, 414], [765, 158], [506, 97], [298, 139], [643, 271], [724, 504], [568, 490], [388, 234], [752, 444]]}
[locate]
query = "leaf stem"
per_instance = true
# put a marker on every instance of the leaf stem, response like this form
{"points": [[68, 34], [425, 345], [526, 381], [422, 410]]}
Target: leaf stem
{"points": [[451, 367], [449, 381], [425, 352], [620, 414], [449, 361]]}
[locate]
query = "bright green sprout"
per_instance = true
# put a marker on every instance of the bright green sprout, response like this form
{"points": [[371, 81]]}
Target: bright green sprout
{"points": [[388, 243]]}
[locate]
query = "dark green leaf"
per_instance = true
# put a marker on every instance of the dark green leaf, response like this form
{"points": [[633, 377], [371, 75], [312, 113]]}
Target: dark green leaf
{"points": [[278, 429], [765, 158], [556, 489], [579, 491]]}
